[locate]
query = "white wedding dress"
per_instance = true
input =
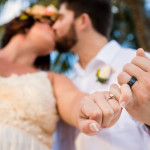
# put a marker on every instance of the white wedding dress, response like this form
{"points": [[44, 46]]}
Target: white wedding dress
{"points": [[28, 113]]}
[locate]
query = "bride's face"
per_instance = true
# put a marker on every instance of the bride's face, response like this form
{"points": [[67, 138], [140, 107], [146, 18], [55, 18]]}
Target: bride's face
{"points": [[41, 38]]}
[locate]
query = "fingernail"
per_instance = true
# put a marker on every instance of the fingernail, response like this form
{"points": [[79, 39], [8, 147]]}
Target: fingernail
{"points": [[122, 104], [93, 127]]}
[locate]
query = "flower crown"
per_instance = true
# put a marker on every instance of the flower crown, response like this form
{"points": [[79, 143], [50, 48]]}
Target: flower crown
{"points": [[40, 12]]}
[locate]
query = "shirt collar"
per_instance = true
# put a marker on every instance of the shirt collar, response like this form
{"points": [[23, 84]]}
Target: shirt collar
{"points": [[105, 56], [108, 52]]}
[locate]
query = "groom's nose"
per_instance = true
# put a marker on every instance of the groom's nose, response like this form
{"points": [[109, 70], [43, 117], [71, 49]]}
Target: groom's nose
{"points": [[55, 26]]}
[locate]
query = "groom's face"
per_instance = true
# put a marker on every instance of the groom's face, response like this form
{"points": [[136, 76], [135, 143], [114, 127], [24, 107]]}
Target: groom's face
{"points": [[65, 32]]}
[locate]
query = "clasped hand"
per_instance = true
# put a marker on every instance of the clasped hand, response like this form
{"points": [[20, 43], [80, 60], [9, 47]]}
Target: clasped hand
{"points": [[136, 100], [97, 112]]}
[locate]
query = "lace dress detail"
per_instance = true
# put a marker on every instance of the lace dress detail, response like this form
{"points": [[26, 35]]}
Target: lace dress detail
{"points": [[28, 113]]}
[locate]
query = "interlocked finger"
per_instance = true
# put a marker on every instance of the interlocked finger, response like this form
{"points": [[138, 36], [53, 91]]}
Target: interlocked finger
{"points": [[114, 105]]}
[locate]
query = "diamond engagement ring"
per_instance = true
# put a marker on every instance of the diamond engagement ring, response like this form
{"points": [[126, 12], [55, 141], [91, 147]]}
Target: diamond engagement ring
{"points": [[111, 96], [132, 81]]}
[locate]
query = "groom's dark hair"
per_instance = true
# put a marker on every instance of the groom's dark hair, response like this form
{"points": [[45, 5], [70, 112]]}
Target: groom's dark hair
{"points": [[99, 12]]}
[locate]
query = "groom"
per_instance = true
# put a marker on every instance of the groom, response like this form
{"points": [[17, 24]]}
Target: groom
{"points": [[83, 27]]}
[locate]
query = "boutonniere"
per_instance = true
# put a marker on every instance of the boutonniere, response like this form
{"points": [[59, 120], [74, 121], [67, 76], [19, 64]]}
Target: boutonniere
{"points": [[104, 73]]}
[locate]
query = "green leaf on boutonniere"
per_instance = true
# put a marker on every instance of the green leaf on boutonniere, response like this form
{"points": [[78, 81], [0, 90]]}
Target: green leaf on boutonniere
{"points": [[103, 74]]}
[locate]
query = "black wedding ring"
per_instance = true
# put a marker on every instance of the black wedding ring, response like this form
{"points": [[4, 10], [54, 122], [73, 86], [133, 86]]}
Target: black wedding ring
{"points": [[132, 81]]}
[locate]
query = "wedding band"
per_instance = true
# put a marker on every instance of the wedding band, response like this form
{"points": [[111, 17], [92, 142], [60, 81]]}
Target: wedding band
{"points": [[132, 81], [111, 96]]}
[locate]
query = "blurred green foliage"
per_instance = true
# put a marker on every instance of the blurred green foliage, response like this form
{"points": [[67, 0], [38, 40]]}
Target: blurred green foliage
{"points": [[123, 29], [47, 2]]}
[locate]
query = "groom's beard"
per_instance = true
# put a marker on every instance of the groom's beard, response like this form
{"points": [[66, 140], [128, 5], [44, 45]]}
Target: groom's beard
{"points": [[65, 43]]}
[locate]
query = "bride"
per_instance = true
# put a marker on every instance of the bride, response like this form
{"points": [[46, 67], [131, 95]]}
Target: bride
{"points": [[32, 100]]}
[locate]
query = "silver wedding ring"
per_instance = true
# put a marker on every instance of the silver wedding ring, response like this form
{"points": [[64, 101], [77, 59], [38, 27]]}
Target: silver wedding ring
{"points": [[111, 96]]}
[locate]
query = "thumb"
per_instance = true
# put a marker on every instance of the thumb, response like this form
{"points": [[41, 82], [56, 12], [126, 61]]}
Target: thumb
{"points": [[126, 94], [88, 126], [140, 52]]}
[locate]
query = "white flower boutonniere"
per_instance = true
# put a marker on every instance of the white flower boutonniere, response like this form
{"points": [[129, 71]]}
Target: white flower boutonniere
{"points": [[104, 73]]}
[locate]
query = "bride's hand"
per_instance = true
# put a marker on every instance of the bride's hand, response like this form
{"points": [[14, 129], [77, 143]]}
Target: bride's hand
{"points": [[97, 112]]}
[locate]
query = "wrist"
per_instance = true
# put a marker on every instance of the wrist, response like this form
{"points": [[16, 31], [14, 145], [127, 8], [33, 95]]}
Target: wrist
{"points": [[76, 109]]}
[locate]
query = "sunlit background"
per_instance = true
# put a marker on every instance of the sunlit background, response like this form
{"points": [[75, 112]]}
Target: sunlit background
{"points": [[129, 29]]}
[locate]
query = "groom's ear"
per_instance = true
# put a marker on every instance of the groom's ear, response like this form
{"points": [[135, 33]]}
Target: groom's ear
{"points": [[84, 22]]}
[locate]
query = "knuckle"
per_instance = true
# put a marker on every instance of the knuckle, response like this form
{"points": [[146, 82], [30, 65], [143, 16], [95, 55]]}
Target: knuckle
{"points": [[113, 86], [126, 96], [134, 60], [84, 99], [126, 66], [109, 113], [146, 81], [106, 93], [114, 89], [83, 108], [82, 103], [143, 99], [117, 109], [96, 114], [96, 94], [120, 76]]}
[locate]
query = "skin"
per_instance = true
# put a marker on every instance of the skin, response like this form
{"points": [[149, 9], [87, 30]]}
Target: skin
{"points": [[19, 56], [84, 29], [135, 100], [38, 41], [96, 107], [106, 113]]}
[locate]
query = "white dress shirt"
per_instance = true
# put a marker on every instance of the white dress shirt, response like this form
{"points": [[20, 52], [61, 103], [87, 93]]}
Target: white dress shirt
{"points": [[126, 134]]}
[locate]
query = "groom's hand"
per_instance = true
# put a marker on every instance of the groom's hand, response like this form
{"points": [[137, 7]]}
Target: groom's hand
{"points": [[97, 112], [138, 101]]}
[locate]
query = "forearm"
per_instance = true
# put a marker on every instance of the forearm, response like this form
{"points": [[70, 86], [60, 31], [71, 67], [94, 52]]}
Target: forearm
{"points": [[68, 97], [69, 109]]}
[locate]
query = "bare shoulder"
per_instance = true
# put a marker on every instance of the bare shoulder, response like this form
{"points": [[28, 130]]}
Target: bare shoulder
{"points": [[6, 69]]}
